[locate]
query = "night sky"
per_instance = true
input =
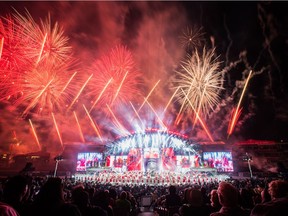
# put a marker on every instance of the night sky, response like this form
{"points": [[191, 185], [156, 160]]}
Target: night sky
{"points": [[246, 36]]}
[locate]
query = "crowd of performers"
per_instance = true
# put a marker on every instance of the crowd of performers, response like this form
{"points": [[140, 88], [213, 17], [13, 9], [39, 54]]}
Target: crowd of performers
{"points": [[150, 178]]}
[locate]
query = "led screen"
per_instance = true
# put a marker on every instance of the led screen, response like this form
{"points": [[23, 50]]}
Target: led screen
{"points": [[222, 161], [88, 160]]}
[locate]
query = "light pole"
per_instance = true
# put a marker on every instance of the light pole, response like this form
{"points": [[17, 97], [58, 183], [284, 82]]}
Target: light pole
{"points": [[249, 158], [57, 159]]}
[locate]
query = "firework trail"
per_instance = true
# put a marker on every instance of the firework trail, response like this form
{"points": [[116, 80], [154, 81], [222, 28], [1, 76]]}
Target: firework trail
{"points": [[57, 129], [79, 127], [124, 86], [1, 46], [94, 125], [80, 91], [35, 134], [200, 80], [100, 95], [237, 112]]}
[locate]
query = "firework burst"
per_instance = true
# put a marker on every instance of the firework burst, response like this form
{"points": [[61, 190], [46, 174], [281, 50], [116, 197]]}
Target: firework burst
{"points": [[36, 65], [46, 42], [45, 88], [201, 81], [13, 47], [116, 78], [13, 61], [192, 37]]}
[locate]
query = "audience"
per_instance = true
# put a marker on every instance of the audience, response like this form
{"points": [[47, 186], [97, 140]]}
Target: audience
{"points": [[28, 196]]}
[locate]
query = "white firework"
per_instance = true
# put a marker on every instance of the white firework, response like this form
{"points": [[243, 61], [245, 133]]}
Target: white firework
{"points": [[200, 81]]}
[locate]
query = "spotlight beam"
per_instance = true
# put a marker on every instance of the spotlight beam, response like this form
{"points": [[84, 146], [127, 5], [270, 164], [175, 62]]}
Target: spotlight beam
{"points": [[137, 114], [121, 127]]}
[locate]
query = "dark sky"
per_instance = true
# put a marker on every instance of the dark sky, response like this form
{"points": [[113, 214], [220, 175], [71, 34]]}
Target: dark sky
{"points": [[246, 36]]}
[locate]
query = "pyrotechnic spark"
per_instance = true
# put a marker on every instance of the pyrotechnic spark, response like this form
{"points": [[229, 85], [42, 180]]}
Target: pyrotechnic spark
{"points": [[57, 129], [42, 47], [124, 87], [79, 127], [1, 46], [192, 37], [53, 48], [198, 117], [237, 113], [68, 82], [94, 125], [35, 134], [201, 81]]}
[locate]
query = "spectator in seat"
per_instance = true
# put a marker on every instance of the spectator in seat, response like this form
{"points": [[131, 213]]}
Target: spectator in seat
{"points": [[7, 210], [172, 199], [50, 201], [122, 206], [214, 205], [229, 199], [15, 191], [278, 206]]}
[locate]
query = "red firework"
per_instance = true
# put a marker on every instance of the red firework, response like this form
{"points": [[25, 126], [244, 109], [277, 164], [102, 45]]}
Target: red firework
{"points": [[47, 41], [35, 65], [13, 61], [116, 79], [47, 88]]}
